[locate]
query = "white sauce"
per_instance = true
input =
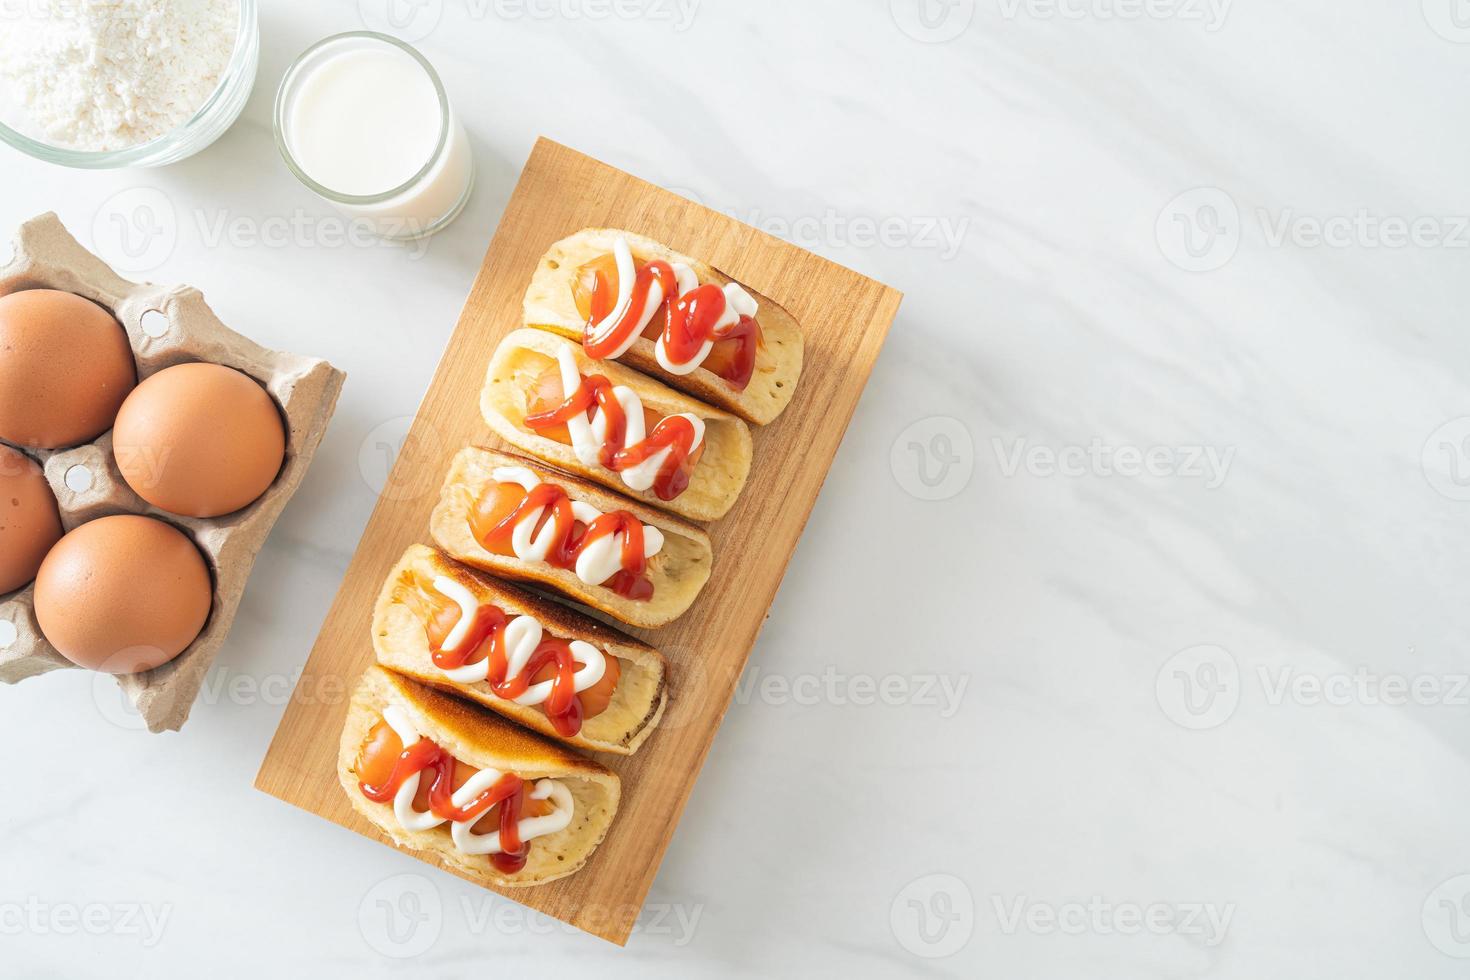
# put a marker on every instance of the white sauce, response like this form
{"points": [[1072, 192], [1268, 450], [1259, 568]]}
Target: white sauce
{"points": [[599, 561], [623, 255], [522, 637], [588, 436], [460, 830], [738, 303]]}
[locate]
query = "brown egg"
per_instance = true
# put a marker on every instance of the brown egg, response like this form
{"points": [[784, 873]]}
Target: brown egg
{"points": [[123, 594], [65, 367], [29, 521], [199, 440]]}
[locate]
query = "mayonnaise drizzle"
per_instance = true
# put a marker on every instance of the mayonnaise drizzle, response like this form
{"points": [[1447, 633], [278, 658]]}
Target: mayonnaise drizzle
{"points": [[598, 561], [588, 436], [738, 303], [623, 255], [522, 637], [461, 831]]}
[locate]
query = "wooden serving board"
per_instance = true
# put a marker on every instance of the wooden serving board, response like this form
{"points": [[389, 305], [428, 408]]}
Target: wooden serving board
{"points": [[844, 317]]}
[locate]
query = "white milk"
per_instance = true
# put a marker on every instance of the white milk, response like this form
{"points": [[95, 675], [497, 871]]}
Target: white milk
{"points": [[360, 117]]}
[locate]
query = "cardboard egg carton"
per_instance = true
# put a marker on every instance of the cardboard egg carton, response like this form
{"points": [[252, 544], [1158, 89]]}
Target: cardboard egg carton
{"points": [[166, 325]]}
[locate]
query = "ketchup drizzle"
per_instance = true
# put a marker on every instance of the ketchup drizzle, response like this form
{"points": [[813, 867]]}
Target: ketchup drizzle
{"points": [[674, 433], [568, 544], [689, 321], [509, 791], [485, 640]]}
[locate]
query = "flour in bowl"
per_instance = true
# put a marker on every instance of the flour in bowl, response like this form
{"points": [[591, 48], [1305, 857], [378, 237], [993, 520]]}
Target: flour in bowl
{"points": [[109, 74]]}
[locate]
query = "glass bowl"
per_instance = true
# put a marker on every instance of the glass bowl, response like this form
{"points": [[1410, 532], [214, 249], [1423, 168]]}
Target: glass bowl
{"points": [[208, 123]]}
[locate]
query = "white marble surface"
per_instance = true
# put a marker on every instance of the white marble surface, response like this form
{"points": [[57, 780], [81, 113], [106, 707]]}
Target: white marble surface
{"points": [[1090, 831]]}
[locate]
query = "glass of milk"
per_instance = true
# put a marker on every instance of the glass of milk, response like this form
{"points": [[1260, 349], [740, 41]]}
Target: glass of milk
{"points": [[362, 119]]}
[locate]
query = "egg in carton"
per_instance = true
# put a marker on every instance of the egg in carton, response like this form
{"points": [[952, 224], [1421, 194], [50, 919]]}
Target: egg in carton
{"points": [[166, 326]]}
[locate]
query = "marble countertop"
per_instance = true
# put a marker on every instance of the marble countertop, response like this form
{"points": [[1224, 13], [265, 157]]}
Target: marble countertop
{"points": [[1127, 638]]}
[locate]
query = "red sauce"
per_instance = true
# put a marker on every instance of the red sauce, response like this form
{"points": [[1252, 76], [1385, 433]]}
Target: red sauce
{"points": [[492, 527], [674, 433], [512, 856], [508, 792], [484, 643], [639, 588], [485, 640], [688, 321]]}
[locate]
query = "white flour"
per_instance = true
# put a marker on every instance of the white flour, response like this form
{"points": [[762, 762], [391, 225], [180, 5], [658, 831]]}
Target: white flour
{"points": [[108, 74]]}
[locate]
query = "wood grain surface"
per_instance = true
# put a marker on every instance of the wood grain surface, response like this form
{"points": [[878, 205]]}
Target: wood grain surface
{"points": [[845, 317]]}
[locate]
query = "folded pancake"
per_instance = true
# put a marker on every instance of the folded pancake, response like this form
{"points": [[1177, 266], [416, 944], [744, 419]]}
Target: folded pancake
{"points": [[614, 426], [750, 372], [522, 519], [523, 810], [532, 660]]}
